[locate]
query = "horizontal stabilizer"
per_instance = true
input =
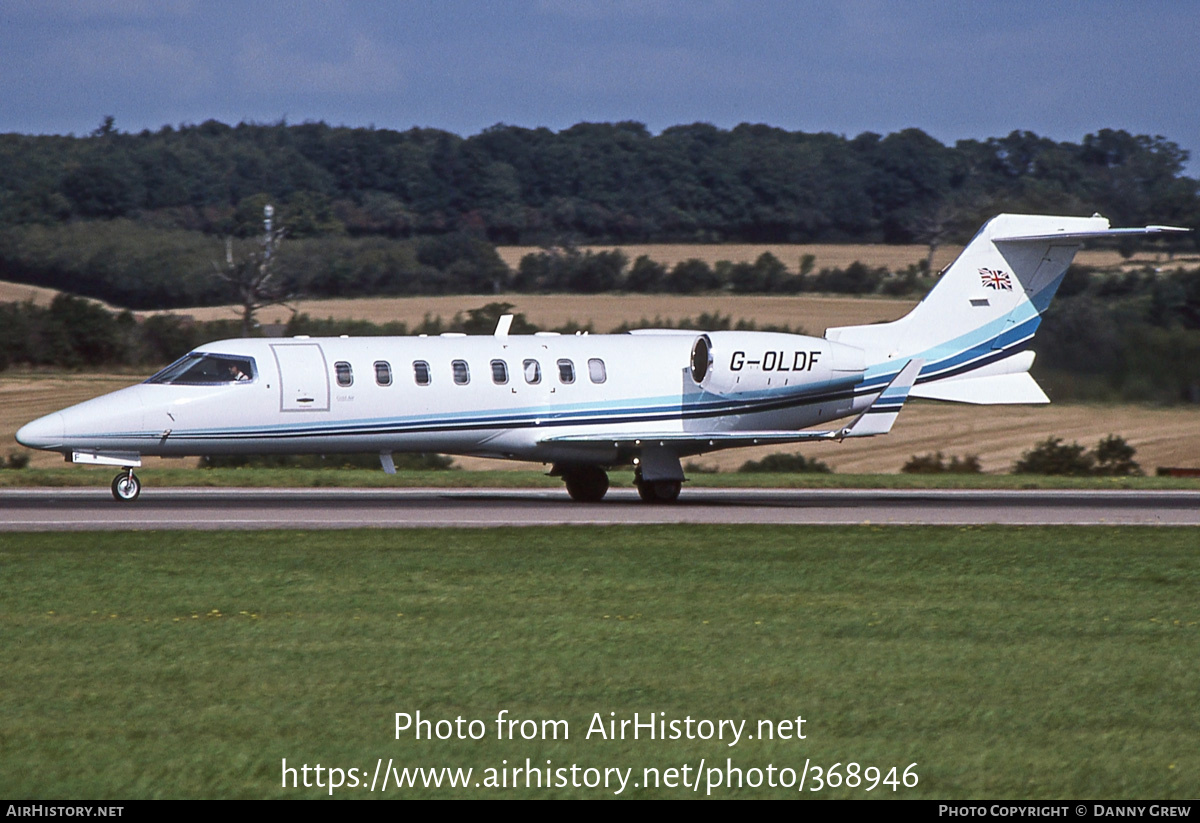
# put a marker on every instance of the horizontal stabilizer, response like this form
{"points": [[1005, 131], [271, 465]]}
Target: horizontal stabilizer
{"points": [[996, 389], [1091, 235]]}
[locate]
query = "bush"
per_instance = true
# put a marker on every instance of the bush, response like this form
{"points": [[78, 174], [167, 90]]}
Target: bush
{"points": [[786, 463], [936, 464], [1052, 456], [1112, 457], [16, 460]]}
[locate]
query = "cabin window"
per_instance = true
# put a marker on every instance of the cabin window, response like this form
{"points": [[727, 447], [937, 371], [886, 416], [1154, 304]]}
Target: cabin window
{"points": [[566, 371], [383, 373], [204, 369], [421, 372], [596, 370], [533, 372], [462, 374], [345, 375], [499, 372]]}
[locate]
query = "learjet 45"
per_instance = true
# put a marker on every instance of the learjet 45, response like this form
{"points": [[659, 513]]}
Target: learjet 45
{"points": [[588, 403]]}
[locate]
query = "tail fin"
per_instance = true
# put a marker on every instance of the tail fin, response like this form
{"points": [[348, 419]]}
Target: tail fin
{"points": [[973, 326]]}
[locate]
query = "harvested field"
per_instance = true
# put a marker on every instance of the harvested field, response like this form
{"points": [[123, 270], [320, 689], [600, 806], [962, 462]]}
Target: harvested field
{"points": [[826, 255], [830, 255], [998, 434], [20, 293], [603, 311], [25, 397]]}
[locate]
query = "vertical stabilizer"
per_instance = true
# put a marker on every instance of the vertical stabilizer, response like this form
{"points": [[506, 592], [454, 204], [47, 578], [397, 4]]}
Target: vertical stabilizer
{"points": [[985, 309]]}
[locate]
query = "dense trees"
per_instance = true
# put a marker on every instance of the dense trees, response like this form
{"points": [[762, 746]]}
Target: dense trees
{"points": [[140, 219], [591, 182]]}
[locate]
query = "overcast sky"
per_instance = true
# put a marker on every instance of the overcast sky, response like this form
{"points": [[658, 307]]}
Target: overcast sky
{"points": [[955, 69]]}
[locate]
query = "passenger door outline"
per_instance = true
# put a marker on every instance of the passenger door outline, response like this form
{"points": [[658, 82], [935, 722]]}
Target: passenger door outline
{"points": [[303, 377]]}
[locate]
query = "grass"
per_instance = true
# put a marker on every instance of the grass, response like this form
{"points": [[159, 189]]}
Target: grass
{"points": [[1004, 662], [100, 477]]}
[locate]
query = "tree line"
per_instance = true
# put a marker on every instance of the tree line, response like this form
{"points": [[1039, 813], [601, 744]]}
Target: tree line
{"points": [[141, 220], [139, 267], [1132, 336], [593, 182]]}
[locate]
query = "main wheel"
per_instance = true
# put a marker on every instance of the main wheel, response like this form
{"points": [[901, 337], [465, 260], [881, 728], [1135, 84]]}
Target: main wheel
{"points": [[659, 491], [126, 487], [667, 491], [586, 484]]}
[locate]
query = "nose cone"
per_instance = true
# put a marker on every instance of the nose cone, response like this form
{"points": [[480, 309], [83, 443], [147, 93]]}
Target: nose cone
{"points": [[43, 433]]}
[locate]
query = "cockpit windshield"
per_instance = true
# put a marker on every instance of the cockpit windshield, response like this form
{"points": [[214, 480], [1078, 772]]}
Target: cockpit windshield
{"points": [[206, 369]]}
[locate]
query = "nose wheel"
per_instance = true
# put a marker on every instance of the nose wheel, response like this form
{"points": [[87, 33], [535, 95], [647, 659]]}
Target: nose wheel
{"points": [[126, 487]]}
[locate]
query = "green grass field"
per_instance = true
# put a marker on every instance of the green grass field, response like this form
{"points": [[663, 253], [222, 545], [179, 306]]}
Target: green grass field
{"points": [[1023, 663], [100, 477]]}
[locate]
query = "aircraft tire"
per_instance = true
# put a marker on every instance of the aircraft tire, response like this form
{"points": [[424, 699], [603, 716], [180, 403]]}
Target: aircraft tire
{"points": [[126, 487], [659, 491], [646, 492], [667, 491], [587, 484]]}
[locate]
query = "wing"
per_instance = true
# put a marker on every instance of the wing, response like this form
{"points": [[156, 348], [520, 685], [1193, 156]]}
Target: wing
{"points": [[877, 419]]}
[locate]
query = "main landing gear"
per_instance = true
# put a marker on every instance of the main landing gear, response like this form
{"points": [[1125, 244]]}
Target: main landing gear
{"points": [[589, 484], [585, 484], [657, 491], [126, 487]]}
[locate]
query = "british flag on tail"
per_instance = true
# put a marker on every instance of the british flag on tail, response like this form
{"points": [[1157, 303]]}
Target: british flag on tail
{"points": [[995, 279]]}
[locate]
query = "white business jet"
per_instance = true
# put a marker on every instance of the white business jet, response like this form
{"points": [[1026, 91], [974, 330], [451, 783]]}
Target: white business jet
{"points": [[587, 403]]}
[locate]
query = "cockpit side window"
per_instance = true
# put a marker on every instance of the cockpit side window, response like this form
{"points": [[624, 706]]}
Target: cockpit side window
{"points": [[206, 369]]}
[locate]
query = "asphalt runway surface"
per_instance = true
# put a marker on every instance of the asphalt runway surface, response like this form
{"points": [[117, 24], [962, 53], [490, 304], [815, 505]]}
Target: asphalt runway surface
{"points": [[197, 508]]}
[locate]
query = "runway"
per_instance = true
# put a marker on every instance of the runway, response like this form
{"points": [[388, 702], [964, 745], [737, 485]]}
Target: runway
{"points": [[198, 508]]}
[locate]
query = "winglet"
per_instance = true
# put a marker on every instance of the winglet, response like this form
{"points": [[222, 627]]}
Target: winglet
{"points": [[879, 417]]}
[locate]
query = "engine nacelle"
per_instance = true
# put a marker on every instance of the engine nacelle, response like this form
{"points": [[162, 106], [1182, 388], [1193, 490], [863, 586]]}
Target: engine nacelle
{"points": [[733, 362]]}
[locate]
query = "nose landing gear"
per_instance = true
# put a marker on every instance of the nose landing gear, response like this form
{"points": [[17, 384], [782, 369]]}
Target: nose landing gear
{"points": [[126, 487]]}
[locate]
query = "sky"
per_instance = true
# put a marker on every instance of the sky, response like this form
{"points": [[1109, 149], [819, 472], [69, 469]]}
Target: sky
{"points": [[953, 69]]}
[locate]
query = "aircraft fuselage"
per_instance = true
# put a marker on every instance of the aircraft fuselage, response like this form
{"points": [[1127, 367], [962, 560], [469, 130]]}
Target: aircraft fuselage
{"points": [[486, 396]]}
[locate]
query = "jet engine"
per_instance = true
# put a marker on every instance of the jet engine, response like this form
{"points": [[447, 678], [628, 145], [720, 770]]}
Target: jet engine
{"points": [[736, 362]]}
